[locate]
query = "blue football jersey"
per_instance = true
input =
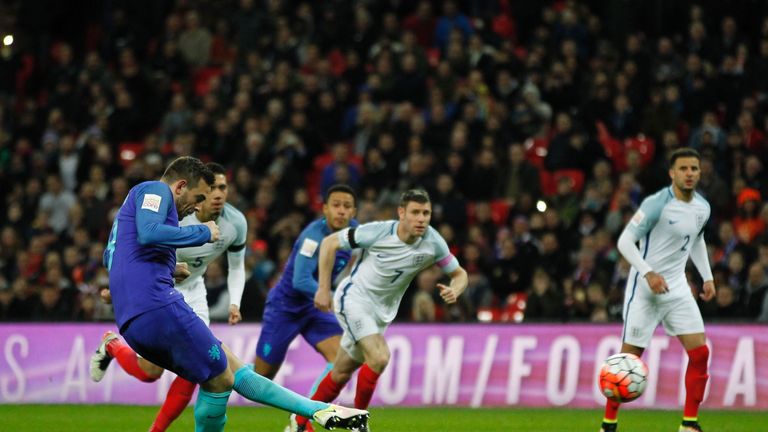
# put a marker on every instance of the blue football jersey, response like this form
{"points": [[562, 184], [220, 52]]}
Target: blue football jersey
{"points": [[141, 252], [299, 279]]}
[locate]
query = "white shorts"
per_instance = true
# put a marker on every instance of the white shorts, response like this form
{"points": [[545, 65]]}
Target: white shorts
{"points": [[195, 297], [643, 311], [357, 318]]}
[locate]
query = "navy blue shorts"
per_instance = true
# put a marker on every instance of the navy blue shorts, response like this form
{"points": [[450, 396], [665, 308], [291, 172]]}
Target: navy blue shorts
{"points": [[175, 338], [281, 324]]}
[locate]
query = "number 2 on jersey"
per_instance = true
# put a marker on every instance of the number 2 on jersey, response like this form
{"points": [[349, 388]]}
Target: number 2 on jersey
{"points": [[685, 245]]}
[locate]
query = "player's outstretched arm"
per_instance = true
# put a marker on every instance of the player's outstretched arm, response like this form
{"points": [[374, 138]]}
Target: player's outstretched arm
{"points": [[328, 248], [459, 281]]}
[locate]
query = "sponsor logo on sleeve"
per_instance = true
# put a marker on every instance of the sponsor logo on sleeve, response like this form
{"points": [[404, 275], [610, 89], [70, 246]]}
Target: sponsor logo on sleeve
{"points": [[152, 202], [308, 248]]}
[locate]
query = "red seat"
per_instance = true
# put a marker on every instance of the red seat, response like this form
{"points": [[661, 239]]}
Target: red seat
{"points": [[536, 150], [433, 57], [514, 310], [499, 211], [129, 150], [202, 79], [548, 185], [313, 180], [488, 314], [576, 176], [644, 145]]}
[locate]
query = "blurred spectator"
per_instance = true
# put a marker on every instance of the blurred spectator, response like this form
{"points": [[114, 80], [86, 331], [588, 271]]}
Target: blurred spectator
{"points": [[752, 295], [545, 301], [195, 41], [452, 19], [747, 223], [56, 203], [519, 176]]}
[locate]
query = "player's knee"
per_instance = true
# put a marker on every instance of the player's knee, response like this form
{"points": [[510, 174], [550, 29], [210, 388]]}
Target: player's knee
{"points": [[152, 372], [223, 382], [265, 369], [379, 361], [340, 377]]}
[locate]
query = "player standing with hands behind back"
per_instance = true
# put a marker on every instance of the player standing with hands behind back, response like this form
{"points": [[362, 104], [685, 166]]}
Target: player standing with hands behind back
{"points": [[366, 301], [670, 228]]}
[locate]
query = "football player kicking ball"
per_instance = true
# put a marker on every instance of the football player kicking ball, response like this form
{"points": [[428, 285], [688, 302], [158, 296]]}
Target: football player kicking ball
{"points": [[670, 228], [159, 325], [192, 263], [366, 301]]}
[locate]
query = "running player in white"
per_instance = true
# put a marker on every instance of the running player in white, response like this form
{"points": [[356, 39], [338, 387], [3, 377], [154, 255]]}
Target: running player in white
{"points": [[669, 227], [233, 228], [366, 301]]}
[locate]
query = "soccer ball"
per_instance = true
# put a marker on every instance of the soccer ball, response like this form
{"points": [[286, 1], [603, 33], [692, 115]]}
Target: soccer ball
{"points": [[623, 377]]}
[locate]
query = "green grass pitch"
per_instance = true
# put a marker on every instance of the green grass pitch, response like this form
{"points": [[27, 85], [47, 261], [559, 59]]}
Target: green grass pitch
{"points": [[99, 418]]}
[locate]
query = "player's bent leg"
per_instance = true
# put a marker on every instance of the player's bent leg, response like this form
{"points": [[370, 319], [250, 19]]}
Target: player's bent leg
{"points": [[211, 411], [332, 384], [211, 405], [343, 368], [178, 397], [152, 370], [257, 388], [375, 351], [112, 347], [377, 357]]}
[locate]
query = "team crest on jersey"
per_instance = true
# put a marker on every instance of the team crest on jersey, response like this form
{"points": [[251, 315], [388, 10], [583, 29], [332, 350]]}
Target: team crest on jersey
{"points": [[699, 221], [419, 259]]}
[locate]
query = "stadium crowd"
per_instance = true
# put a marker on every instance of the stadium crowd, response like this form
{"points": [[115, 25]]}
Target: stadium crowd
{"points": [[537, 128]]}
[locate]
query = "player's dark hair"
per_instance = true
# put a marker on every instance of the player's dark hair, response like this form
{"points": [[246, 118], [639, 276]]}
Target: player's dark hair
{"points": [[683, 152], [340, 188], [189, 169], [414, 195], [216, 169]]}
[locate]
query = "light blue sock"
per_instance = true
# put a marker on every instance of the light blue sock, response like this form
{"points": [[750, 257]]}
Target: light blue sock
{"points": [[255, 387], [328, 367], [211, 411]]}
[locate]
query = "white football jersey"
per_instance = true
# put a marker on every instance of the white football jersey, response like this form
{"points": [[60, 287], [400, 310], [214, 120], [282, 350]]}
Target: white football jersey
{"points": [[667, 228], [387, 264], [233, 229]]}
